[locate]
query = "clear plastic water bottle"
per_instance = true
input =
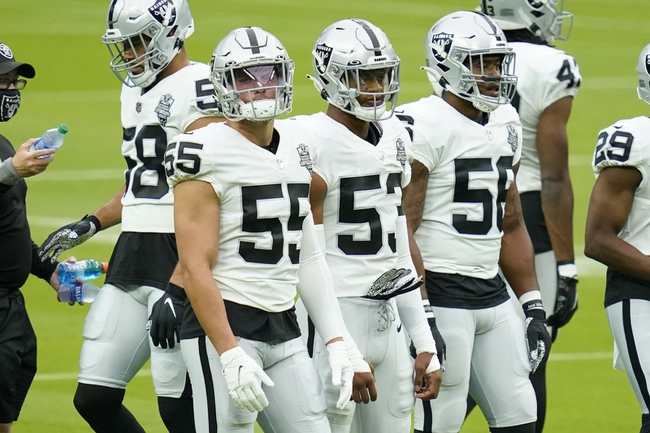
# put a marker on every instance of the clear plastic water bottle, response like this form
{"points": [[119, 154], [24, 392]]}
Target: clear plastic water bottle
{"points": [[84, 269], [51, 139], [78, 292]]}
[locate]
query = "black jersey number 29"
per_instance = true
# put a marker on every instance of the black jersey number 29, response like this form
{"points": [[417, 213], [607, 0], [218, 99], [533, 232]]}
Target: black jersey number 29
{"points": [[620, 146], [464, 194], [252, 223]]}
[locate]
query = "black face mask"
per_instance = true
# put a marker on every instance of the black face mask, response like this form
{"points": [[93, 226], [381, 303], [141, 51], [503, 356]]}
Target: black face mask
{"points": [[9, 104]]}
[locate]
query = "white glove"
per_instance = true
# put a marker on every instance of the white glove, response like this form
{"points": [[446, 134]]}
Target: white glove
{"points": [[342, 373], [243, 377]]}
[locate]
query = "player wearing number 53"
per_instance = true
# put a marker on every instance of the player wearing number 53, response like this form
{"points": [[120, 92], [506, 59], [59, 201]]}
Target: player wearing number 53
{"points": [[618, 235], [463, 205], [163, 95], [246, 243]]}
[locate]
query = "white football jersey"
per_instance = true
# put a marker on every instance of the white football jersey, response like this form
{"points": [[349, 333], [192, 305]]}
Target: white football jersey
{"points": [[544, 76], [470, 171], [263, 199], [627, 144], [364, 193], [149, 122]]}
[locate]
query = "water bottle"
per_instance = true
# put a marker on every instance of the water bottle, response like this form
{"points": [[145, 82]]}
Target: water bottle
{"points": [[78, 292], [84, 269], [51, 139]]}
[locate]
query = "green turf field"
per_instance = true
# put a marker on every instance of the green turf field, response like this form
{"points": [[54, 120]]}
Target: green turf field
{"points": [[74, 85]]}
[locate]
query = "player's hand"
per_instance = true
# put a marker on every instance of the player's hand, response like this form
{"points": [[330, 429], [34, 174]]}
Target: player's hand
{"points": [[566, 301], [67, 237], [243, 377], [363, 387], [392, 283], [342, 373], [166, 317], [427, 376], [537, 337]]}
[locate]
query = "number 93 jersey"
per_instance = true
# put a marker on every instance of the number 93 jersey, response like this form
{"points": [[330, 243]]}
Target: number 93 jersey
{"points": [[149, 121], [470, 171], [627, 144], [263, 200], [364, 195], [545, 75]]}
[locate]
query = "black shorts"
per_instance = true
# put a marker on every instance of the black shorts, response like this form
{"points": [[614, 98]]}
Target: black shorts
{"points": [[17, 355]]}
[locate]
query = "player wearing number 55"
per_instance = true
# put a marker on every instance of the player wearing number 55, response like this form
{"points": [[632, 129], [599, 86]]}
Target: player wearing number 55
{"points": [[618, 235], [163, 95], [246, 243]]}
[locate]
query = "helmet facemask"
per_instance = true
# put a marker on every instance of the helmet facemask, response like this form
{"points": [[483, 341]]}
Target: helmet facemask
{"points": [[257, 93]]}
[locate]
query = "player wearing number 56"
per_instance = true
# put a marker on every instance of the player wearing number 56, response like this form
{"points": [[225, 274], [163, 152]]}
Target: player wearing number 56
{"points": [[463, 205], [618, 235], [163, 94]]}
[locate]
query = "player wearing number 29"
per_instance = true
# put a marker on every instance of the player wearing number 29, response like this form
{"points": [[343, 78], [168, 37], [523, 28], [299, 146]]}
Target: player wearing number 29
{"points": [[618, 235], [360, 165], [161, 97], [246, 242], [463, 205], [547, 81]]}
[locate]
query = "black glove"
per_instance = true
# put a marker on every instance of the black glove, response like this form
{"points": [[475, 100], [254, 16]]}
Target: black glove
{"points": [[566, 302], [68, 237], [537, 337], [392, 283], [166, 317]]}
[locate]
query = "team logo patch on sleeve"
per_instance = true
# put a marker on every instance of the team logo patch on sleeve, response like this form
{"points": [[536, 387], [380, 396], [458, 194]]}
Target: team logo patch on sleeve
{"points": [[163, 110], [401, 152], [512, 137], [305, 157]]}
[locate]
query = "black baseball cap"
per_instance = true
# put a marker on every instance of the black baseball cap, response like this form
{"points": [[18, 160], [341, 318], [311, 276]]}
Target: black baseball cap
{"points": [[8, 63]]}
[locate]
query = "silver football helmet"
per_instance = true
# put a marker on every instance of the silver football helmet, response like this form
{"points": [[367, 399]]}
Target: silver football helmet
{"points": [[145, 34], [643, 72], [460, 44], [252, 75], [544, 18], [356, 69]]}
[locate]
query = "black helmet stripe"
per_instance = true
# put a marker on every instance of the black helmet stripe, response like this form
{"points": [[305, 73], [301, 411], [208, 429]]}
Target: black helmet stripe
{"points": [[111, 9], [494, 28], [371, 35], [252, 38]]}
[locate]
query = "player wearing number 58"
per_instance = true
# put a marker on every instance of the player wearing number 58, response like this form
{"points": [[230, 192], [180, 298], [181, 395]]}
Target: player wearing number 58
{"points": [[163, 94], [618, 235]]}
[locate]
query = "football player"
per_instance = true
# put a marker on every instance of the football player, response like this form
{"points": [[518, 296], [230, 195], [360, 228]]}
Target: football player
{"points": [[463, 205], [246, 242], [547, 81], [163, 94], [360, 156], [617, 235]]}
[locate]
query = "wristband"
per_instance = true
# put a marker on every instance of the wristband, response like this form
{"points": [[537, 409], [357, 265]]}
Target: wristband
{"points": [[533, 295]]}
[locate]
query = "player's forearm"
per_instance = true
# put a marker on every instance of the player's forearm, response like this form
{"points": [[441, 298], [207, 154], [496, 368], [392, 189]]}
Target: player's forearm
{"points": [[517, 259], [619, 255], [557, 205], [110, 213], [208, 305]]}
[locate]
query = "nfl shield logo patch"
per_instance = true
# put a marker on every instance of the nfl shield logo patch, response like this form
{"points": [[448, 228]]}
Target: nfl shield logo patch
{"points": [[138, 107]]}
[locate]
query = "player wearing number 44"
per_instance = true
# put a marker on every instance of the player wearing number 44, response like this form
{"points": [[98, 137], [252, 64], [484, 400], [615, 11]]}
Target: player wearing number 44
{"points": [[463, 205], [246, 243], [618, 235], [163, 94]]}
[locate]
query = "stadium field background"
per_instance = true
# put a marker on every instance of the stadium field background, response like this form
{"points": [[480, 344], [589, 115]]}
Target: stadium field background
{"points": [[75, 85]]}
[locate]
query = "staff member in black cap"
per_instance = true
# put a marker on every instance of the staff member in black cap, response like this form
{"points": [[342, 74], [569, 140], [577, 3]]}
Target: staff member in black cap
{"points": [[17, 251]]}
